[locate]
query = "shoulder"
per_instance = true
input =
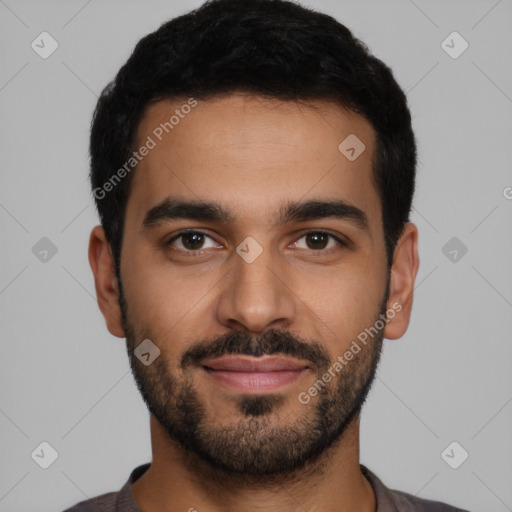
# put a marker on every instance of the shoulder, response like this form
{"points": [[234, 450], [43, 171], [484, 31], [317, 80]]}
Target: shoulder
{"points": [[408, 502], [113, 501], [103, 503], [391, 500]]}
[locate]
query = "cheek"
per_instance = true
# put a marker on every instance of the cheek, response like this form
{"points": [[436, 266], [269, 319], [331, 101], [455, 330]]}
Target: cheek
{"points": [[167, 303], [343, 305]]}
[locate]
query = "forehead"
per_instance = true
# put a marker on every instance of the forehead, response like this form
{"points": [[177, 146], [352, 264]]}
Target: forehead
{"points": [[253, 154]]}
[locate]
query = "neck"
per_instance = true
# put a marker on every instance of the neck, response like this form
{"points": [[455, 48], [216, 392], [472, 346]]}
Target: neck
{"points": [[178, 481]]}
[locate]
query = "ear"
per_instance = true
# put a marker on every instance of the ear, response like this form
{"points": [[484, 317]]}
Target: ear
{"points": [[403, 274], [105, 280]]}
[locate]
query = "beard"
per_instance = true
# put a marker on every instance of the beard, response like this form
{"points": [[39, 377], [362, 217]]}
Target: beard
{"points": [[256, 449]]}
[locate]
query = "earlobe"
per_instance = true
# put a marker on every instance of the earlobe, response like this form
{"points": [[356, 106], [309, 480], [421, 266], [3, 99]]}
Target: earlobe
{"points": [[105, 281], [403, 276]]}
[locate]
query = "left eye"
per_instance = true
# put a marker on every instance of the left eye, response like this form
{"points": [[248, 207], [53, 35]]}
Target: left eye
{"points": [[319, 240]]}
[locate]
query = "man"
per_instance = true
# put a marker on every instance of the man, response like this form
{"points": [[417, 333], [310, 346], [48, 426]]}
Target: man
{"points": [[253, 166]]}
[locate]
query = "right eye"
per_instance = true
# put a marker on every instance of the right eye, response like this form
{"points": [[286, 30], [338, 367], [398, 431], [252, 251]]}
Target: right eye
{"points": [[191, 241]]}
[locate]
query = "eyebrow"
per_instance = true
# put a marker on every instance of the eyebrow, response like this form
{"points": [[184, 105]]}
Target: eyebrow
{"points": [[210, 211]]}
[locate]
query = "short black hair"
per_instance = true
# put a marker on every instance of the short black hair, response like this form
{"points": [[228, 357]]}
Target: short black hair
{"points": [[271, 48]]}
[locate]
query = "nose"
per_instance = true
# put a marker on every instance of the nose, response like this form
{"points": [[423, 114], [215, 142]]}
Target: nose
{"points": [[258, 295]]}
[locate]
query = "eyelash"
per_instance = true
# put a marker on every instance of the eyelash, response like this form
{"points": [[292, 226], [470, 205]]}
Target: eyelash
{"points": [[199, 252]]}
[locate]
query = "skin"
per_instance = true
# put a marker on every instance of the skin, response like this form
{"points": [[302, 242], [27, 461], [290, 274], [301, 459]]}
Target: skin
{"points": [[252, 154]]}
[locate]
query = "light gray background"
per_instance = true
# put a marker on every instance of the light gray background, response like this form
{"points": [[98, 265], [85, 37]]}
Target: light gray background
{"points": [[65, 380]]}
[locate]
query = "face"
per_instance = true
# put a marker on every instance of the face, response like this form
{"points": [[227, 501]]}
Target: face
{"points": [[253, 256]]}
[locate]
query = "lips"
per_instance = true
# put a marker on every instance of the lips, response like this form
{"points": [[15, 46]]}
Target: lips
{"points": [[254, 375], [252, 364]]}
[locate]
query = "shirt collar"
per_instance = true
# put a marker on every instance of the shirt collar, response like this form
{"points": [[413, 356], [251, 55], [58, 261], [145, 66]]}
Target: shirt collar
{"points": [[126, 501]]}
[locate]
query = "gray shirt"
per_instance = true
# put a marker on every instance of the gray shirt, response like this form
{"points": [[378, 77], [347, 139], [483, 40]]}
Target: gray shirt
{"points": [[388, 500]]}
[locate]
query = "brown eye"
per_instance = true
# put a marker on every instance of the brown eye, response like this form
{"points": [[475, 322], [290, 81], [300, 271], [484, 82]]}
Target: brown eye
{"points": [[317, 240], [190, 241]]}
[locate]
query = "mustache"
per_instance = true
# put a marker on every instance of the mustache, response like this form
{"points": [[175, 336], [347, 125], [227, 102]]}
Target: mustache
{"points": [[271, 342]]}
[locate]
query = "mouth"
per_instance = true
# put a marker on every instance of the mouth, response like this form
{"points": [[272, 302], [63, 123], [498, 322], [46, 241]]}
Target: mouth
{"points": [[254, 374]]}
